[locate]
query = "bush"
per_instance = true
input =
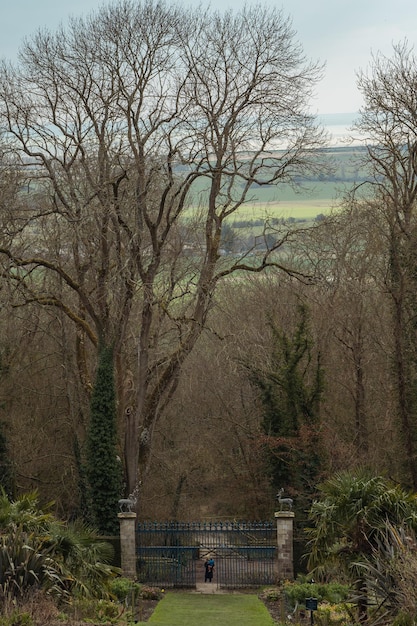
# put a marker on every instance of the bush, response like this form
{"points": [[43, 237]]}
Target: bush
{"points": [[271, 595], [98, 611], [124, 588], [150, 593], [332, 615], [16, 619], [403, 619], [33, 607], [36, 550], [296, 593]]}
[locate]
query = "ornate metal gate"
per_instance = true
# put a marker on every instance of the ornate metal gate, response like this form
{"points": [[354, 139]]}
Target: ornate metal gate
{"points": [[172, 554]]}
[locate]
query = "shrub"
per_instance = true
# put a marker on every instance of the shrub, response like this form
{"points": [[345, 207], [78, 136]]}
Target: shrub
{"points": [[16, 619], [403, 619], [36, 550], [391, 576], [271, 595], [98, 611], [331, 615], [296, 593], [32, 607], [150, 593], [123, 588]]}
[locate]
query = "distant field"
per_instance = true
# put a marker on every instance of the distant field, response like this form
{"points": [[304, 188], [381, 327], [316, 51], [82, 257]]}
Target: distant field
{"points": [[290, 205], [297, 209], [310, 198]]}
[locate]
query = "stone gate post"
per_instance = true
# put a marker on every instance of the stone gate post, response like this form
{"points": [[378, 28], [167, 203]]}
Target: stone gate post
{"points": [[128, 543], [285, 540]]}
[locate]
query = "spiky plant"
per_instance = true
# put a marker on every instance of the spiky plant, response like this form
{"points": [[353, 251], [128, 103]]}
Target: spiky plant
{"points": [[391, 576], [37, 549], [349, 521]]}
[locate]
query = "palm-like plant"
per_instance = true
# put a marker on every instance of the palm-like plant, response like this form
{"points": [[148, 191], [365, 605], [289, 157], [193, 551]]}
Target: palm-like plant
{"points": [[81, 557], [37, 549], [350, 519], [24, 512]]}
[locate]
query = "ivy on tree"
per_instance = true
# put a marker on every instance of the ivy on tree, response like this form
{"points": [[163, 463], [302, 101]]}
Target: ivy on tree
{"points": [[291, 388], [103, 464], [290, 392], [6, 466]]}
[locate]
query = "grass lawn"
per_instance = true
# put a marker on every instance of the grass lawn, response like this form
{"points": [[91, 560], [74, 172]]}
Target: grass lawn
{"points": [[190, 609]]}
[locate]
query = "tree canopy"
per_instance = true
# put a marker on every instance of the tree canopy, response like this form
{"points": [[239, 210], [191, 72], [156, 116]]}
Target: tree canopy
{"points": [[388, 124], [139, 130]]}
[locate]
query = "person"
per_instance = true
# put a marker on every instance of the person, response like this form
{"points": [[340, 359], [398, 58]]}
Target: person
{"points": [[209, 567]]}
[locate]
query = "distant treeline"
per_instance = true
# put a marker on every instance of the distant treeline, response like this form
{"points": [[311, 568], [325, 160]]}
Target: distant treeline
{"points": [[274, 221]]}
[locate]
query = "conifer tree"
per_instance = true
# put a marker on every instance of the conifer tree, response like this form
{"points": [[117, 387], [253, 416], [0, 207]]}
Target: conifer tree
{"points": [[103, 464]]}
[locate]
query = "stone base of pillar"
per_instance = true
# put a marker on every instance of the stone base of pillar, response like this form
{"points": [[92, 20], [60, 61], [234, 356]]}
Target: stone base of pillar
{"points": [[285, 541], [128, 543]]}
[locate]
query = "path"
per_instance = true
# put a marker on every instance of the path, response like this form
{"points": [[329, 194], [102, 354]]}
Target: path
{"points": [[208, 588]]}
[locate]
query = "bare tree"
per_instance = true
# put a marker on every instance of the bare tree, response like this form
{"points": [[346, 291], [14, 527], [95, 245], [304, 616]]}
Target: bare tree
{"points": [[388, 122], [142, 128]]}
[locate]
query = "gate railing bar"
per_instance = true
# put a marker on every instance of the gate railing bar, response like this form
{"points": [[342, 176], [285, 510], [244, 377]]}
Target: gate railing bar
{"points": [[169, 553]]}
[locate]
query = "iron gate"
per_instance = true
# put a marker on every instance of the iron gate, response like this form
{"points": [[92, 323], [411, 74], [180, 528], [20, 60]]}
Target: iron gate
{"points": [[172, 554]]}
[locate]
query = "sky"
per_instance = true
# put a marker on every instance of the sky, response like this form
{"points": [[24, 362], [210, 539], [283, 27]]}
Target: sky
{"points": [[342, 34]]}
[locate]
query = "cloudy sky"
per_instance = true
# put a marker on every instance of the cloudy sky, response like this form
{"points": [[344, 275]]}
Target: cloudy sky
{"points": [[343, 34]]}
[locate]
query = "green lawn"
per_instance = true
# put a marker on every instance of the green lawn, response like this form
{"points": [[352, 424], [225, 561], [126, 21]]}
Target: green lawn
{"points": [[190, 609]]}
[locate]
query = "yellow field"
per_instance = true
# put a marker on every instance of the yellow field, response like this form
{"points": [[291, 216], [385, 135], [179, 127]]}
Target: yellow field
{"points": [[297, 209]]}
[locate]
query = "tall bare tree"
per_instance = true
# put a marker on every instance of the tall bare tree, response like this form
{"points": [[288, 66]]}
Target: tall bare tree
{"points": [[388, 123], [142, 129]]}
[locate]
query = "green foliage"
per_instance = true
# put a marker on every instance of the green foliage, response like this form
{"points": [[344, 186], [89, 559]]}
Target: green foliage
{"points": [[391, 576], [123, 588], [103, 464], [404, 619], [295, 400], [97, 611], [36, 550], [6, 465], [333, 615], [290, 389], [349, 523], [24, 512], [16, 619], [22, 562], [351, 515], [272, 594], [84, 559], [189, 609], [150, 593], [296, 593]]}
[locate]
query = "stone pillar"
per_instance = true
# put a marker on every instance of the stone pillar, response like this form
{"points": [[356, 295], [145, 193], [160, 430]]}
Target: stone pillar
{"points": [[285, 539], [128, 543]]}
